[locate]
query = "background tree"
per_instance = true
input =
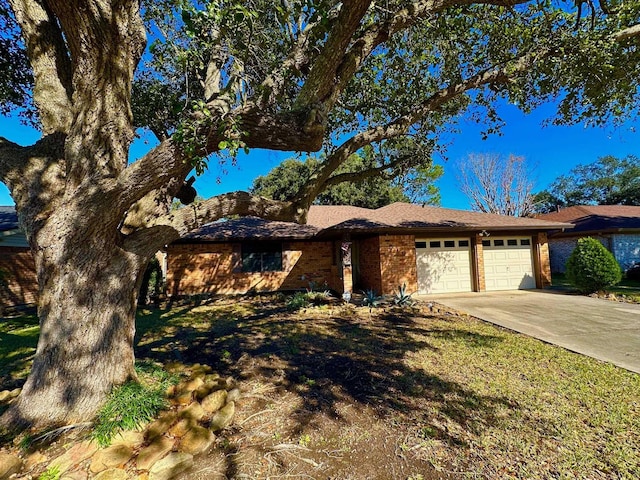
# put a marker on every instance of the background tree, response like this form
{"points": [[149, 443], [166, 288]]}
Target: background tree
{"points": [[218, 76], [495, 184], [372, 191], [607, 181]]}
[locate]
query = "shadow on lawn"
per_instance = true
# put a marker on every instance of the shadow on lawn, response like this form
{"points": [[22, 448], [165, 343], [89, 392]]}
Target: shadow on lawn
{"points": [[328, 359]]}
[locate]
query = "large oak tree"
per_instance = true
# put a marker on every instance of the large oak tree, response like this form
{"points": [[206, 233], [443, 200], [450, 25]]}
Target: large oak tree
{"points": [[214, 76]]}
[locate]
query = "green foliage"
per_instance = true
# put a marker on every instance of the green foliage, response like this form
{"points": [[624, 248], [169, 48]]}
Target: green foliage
{"points": [[607, 181], [298, 301], [591, 267], [384, 188], [51, 473], [402, 298], [371, 298], [133, 404], [311, 297]]}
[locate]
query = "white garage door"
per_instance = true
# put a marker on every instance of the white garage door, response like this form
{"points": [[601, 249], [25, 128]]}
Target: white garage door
{"points": [[508, 263], [444, 265]]}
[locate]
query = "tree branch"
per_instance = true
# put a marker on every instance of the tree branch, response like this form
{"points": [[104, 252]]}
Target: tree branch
{"points": [[12, 158], [174, 225], [627, 33], [319, 83], [400, 125], [51, 65]]}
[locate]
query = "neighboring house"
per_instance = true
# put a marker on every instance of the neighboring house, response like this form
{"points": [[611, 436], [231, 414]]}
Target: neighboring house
{"points": [[346, 249], [16, 262], [617, 227]]}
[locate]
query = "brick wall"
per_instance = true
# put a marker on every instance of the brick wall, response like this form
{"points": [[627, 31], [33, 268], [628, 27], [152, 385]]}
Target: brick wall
{"points": [[561, 248], [626, 249], [477, 258], [209, 268], [398, 263], [21, 277], [370, 275], [542, 261]]}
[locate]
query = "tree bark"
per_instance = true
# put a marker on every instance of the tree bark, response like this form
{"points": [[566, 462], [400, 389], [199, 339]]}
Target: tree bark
{"points": [[87, 304]]}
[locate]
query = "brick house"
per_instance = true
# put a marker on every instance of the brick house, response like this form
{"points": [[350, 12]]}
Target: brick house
{"points": [[21, 286], [617, 227], [432, 250]]}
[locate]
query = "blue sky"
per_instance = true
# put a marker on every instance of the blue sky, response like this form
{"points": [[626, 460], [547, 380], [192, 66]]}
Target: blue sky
{"points": [[551, 150]]}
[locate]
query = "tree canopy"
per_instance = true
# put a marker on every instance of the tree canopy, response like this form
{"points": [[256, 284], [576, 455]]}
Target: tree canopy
{"points": [[607, 181], [210, 78], [373, 191]]}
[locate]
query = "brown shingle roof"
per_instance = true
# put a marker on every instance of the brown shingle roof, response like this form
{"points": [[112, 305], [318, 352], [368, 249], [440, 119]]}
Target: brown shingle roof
{"points": [[340, 218], [251, 228], [401, 215], [597, 218]]}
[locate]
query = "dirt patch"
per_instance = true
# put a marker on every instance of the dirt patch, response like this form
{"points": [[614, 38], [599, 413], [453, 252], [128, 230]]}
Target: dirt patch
{"points": [[326, 393]]}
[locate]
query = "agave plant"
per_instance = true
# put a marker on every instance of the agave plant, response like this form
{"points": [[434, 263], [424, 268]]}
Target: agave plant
{"points": [[402, 298], [371, 298]]}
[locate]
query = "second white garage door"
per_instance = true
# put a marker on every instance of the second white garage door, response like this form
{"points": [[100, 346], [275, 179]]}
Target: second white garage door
{"points": [[508, 263], [444, 265]]}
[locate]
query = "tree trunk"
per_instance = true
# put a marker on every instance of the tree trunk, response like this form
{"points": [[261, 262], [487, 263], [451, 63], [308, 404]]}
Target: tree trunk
{"points": [[87, 305]]}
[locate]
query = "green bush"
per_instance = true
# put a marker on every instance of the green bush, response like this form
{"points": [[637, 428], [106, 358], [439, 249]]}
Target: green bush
{"points": [[152, 284], [591, 267]]}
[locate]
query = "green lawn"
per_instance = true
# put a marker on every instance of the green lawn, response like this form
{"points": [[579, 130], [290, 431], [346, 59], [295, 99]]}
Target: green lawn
{"points": [[628, 288], [417, 389]]}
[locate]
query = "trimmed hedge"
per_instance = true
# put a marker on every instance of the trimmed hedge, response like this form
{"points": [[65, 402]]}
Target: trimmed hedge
{"points": [[591, 267]]}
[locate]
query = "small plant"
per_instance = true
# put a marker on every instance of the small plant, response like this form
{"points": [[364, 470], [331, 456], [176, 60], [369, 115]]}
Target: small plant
{"points": [[133, 404], [51, 473], [304, 440], [371, 299], [591, 267], [297, 301], [402, 298], [318, 297]]}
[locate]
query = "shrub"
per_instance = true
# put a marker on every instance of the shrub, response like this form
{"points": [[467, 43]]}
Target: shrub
{"points": [[591, 267]]}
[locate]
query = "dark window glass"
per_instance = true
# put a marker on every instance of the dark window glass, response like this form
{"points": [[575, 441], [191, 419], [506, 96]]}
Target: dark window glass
{"points": [[525, 241], [512, 242], [262, 257], [434, 244], [449, 243], [421, 244], [498, 243], [463, 243], [486, 243]]}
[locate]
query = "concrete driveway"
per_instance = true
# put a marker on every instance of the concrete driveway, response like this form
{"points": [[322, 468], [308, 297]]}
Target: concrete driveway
{"points": [[602, 329]]}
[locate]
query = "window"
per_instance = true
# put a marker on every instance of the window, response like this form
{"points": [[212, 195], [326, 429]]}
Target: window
{"points": [[262, 257], [421, 244], [498, 243], [449, 243], [525, 241], [434, 244], [463, 243], [512, 242], [486, 243]]}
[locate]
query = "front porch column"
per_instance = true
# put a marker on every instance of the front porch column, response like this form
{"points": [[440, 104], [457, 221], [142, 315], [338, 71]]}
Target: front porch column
{"points": [[477, 252], [347, 268], [542, 265]]}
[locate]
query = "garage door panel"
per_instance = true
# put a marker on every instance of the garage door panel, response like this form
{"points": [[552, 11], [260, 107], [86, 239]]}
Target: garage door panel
{"points": [[508, 264], [443, 268]]}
